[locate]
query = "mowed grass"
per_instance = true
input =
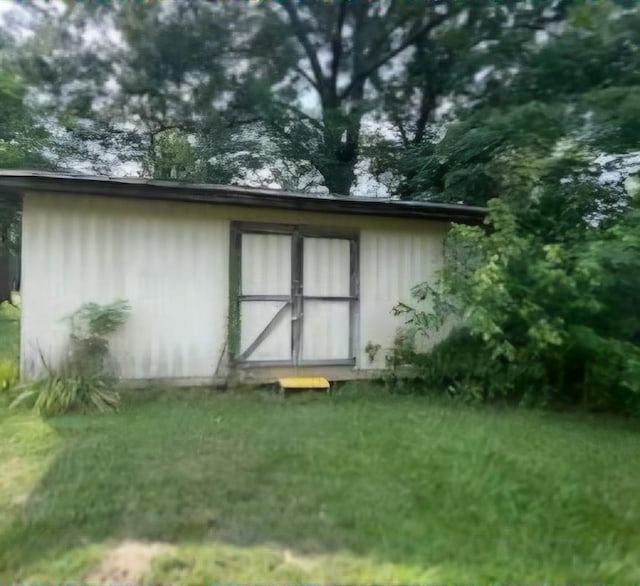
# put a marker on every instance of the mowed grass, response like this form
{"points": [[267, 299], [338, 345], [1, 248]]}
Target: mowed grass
{"points": [[358, 487]]}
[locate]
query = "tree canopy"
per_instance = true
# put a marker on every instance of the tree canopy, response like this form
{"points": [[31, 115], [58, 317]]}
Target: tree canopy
{"points": [[559, 118], [22, 144], [314, 91]]}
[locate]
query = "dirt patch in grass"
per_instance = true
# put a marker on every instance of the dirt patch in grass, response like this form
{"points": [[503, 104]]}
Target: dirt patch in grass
{"points": [[303, 562], [127, 563]]}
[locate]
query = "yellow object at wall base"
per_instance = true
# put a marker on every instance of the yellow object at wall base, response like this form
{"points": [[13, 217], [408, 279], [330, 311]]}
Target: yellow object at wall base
{"points": [[304, 383]]}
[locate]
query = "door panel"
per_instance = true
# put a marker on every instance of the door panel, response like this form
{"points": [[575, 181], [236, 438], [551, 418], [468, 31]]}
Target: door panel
{"points": [[266, 264], [265, 272], [326, 322], [326, 267], [255, 316], [325, 330]]}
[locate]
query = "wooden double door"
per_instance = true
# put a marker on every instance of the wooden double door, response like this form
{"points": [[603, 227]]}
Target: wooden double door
{"points": [[293, 295]]}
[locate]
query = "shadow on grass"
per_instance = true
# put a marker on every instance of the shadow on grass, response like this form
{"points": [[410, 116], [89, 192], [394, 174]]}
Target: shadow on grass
{"points": [[392, 479]]}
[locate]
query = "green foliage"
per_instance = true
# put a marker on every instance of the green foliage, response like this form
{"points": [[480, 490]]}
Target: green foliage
{"points": [[547, 122], [615, 115], [489, 152], [283, 82], [61, 393], [542, 321], [9, 349], [372, 350], [90, 326], [86, 378], [545, 297], [606, 41], [174, 157], [9, 332], [94, 320], [8, 375], [22, 144]]}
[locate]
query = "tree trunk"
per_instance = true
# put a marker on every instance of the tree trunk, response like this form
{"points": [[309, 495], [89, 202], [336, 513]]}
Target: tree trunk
{"points": [[338, 177], [341, 119], [341, 156]]}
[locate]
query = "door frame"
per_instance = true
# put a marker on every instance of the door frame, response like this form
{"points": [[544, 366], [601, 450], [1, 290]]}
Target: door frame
{"points": [[296, 298]]}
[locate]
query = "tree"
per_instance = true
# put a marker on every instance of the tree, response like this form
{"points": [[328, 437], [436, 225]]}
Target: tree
{"points": [[543, 296], [557, 118], [21, 145], [294, 82]]}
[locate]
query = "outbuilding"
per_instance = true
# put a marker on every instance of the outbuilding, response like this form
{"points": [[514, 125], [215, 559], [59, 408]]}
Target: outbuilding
{"points": [[222, 281]]}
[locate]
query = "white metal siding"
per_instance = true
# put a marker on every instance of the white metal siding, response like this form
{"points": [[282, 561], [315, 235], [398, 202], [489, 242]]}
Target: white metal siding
{"points": [[392, 262], [170, 261]]}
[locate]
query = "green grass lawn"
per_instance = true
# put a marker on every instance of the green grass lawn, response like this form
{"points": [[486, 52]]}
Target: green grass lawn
{"points": [[350, 488]]}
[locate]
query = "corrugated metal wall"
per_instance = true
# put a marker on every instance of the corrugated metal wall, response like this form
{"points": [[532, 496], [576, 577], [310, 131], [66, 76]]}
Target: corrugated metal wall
{"points": [[171, 261], [391, 264], [171, 267]]}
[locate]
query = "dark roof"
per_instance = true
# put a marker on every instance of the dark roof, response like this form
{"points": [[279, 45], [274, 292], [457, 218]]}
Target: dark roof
{"points": [[19, 181]]}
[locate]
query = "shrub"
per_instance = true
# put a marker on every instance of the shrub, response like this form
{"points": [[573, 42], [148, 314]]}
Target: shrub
{"points": [[61, 393], [8, 380], [89, 346], [539, 321], [85, 380]]}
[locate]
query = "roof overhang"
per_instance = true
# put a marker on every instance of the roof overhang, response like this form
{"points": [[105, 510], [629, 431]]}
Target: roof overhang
{"points": [[22, 181]]}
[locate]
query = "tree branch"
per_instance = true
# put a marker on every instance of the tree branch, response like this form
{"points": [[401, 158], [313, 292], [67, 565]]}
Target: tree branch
{"points": [[427, 105], [313, 121], [361, 76], [538, 23], [243, 122], [402, 131], [301, 34], [310, 79], [336, 45], [376, 47]]}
